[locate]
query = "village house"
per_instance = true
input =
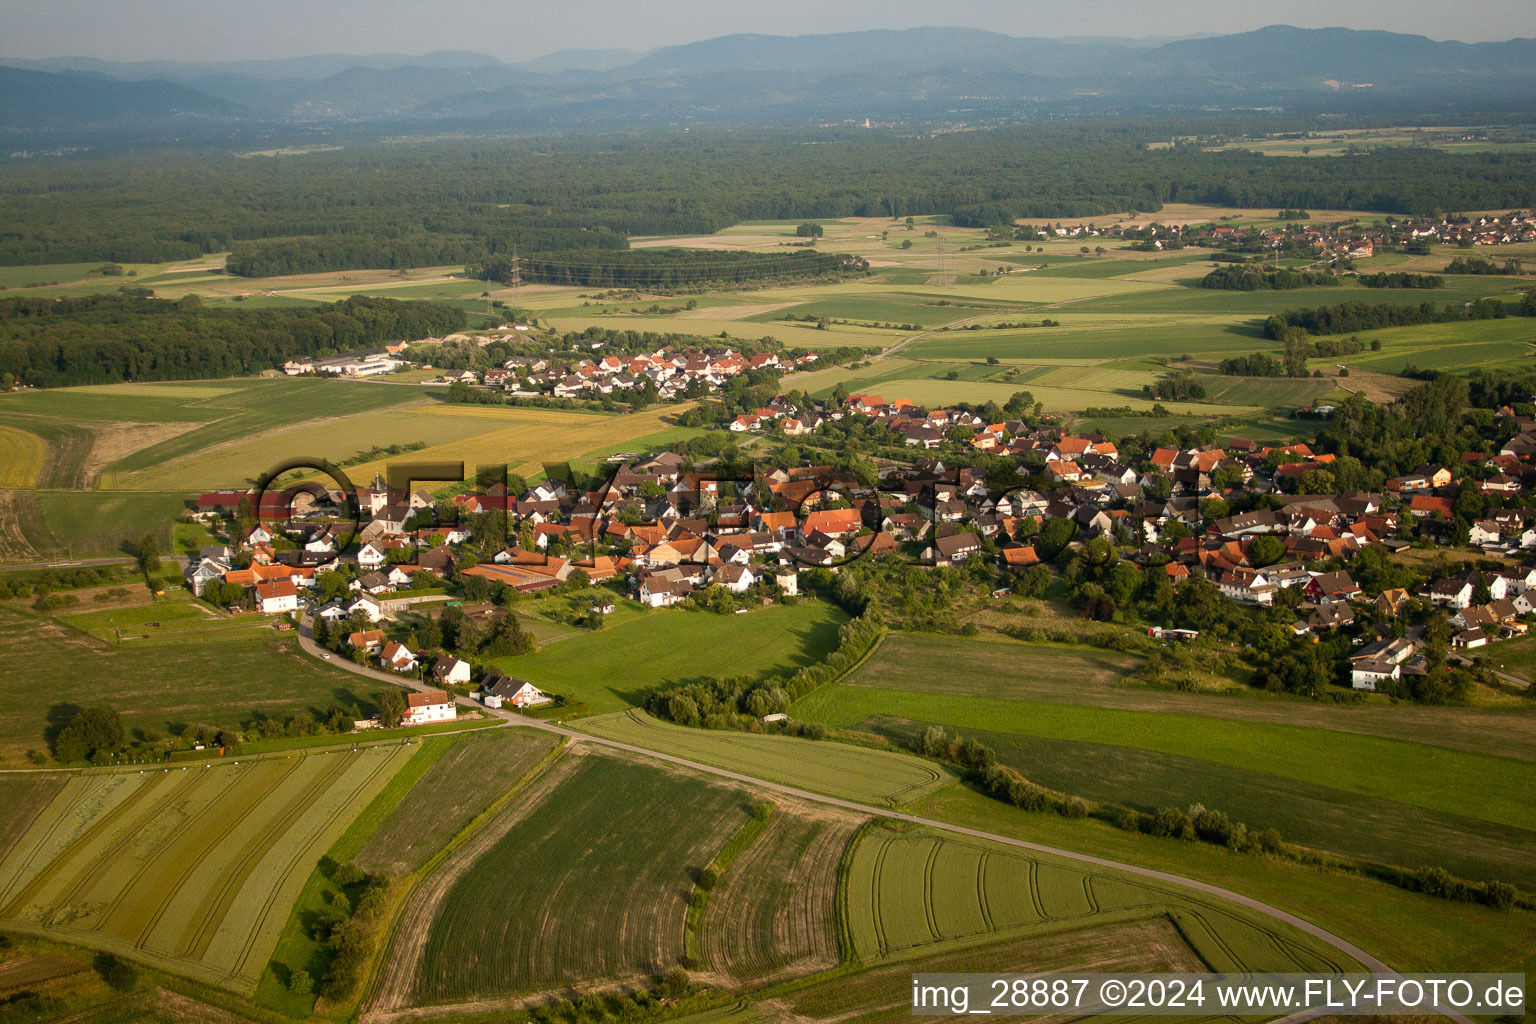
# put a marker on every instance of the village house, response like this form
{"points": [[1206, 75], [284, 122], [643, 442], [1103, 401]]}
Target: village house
{"points": [[428, 707], [497, 690], [397, 657], [450, 671], [277, 597]]}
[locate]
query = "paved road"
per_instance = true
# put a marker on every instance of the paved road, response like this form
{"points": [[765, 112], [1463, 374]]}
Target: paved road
{"points": [[1372, 963], [86, 563], [1524, 684]]}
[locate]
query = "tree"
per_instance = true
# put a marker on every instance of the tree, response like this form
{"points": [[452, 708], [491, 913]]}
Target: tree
{"points": [[1266, 550], [1054, 537], [1294, 340], [300, 983], [118, 974], [810, 229], [91, 732], [510, 638], [391, 708], [148, 552]]}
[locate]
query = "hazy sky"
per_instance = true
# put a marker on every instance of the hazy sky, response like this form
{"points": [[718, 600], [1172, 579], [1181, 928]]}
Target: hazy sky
{"points": [[515, 30]]}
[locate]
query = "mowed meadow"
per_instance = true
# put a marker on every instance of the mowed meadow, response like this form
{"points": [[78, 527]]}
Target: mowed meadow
{"points": [[192, 867]]}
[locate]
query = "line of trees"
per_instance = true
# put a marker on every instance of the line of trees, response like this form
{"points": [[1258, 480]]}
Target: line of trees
{"points": [[1402, 280], [103, 339], [666, 269], [1246, 277], [1348, 317], [1478, 265], [366, 250]]}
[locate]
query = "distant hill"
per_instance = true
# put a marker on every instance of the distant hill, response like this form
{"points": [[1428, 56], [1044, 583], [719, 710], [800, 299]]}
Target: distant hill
{"points": [[39, 100], [580, 60], [316, 66], [886, 52], [908, 75]]}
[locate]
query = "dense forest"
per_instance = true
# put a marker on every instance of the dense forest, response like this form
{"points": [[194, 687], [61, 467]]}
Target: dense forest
{"points": [[108, 338], [667, 269], [1237, 277], [1348, 317], [422, 203], [408, 248]]}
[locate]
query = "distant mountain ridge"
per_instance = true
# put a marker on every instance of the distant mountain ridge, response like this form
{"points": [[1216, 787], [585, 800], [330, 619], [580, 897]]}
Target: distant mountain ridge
{"points": [[912, 74]]}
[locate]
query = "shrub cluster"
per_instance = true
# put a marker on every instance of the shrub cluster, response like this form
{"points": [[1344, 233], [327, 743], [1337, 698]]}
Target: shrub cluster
{"points": [[1434, 881], [738, 702], [352, 933]]}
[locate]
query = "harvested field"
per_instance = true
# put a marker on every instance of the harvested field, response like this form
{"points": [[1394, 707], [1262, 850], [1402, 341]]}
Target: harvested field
{"points": [[28, 973], [190, 869], [17, 507], [463, 782], [115, 441], [591, 883], [772, 917], [22, 799]]}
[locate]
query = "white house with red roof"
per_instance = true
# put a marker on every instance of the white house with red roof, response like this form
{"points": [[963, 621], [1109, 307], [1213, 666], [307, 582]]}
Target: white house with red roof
{"points": [[276, 597], [428, 707]]}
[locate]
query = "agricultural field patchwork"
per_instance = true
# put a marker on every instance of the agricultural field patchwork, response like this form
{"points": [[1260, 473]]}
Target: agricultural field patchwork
{"points": [[191, 868], [590, 882]]}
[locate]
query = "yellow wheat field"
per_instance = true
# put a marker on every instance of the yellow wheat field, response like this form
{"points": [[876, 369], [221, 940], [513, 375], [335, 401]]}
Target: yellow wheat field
{"points": [[21, 457]]}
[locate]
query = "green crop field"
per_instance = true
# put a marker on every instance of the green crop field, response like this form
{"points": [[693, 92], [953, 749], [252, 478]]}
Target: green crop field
{"points": [[772, 916], [191, 869], [1324, 817], [467, 777], [1028, 672], [617, 667], [1492, 789], [591, 882], [912, 889], [835, 769], [894, 308], [205, 670]]}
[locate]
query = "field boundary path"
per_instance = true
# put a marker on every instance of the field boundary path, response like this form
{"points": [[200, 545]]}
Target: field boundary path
{"points": [[1370, 962]]}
